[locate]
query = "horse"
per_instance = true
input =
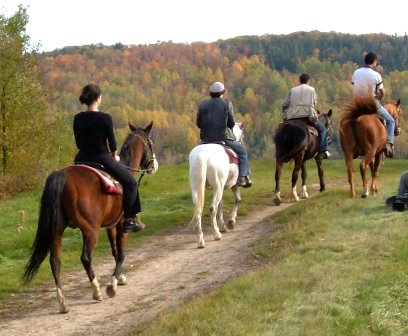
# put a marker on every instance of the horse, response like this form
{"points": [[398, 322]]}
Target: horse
{"points": [[362, 133], [295, 140], [210, 167], [73, 197]]}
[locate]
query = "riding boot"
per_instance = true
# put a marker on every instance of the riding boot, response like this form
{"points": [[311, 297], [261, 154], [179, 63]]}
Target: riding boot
{"points": [[389, 150], [244, 181], [131, 226]]}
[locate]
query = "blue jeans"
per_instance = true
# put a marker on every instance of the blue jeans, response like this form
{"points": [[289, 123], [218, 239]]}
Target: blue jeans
{"points": [[323, 141], [242, 155], [389, 121]]}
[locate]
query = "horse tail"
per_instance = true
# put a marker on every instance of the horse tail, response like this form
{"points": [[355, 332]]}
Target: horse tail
{"points": [[358, 107], [289, 140], [198, 176], [49, 218]]}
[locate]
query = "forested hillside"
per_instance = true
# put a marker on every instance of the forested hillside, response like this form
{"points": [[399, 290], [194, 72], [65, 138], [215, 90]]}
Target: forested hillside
{"points": [[165, 82]]}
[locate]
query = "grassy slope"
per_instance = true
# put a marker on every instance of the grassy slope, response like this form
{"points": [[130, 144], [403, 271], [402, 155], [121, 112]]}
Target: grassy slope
{"points": [[336, 266]]}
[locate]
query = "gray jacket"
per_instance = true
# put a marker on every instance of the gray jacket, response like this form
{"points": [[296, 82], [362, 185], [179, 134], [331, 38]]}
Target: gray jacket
{"points": [[300, 102]]}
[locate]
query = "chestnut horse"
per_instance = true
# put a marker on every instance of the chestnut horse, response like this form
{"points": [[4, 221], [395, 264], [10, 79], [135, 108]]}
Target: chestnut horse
{"points": [[295, 140], [73, 197], [363, 133]]}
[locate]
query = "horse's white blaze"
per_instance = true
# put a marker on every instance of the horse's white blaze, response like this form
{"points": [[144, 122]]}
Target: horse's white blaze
{"points": [[209, 165]]}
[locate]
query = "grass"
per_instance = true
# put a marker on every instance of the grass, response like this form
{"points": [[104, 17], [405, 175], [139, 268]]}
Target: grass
{"points": [[336, 266]]}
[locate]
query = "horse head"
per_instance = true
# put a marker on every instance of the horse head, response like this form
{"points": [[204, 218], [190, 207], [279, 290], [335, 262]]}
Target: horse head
{"points": [[326, 121], [137, 150], [394, 109], [238, 131]]}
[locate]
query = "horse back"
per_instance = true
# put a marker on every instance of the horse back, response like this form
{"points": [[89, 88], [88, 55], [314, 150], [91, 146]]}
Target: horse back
{"points": [[295, 139], [84, 199], [362, 135], [211, 163]]}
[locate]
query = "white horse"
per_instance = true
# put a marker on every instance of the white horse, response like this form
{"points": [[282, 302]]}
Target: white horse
{"points": [[210, 168]]}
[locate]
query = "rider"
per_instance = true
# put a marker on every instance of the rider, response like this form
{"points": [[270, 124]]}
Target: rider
{"points": [[93, 131], [215, 119], [300, 103], [367, 83]]}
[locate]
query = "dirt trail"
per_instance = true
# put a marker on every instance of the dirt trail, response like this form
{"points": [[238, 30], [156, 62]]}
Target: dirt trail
{"points": [[166, 270]]}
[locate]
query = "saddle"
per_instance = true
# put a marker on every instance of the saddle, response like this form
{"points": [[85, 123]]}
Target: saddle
{"points": [[233, 157], [108, 183], [304, 123]]}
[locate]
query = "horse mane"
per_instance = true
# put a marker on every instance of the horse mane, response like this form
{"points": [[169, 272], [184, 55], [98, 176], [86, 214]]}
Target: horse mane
{"points": [[357, 107]]}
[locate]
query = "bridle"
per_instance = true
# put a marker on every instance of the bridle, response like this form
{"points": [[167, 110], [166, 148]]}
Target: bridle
{"points": [[149, 157], [327, 124]]}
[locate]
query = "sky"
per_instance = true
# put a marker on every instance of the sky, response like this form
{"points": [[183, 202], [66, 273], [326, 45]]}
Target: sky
{"points": [[57, 24]]}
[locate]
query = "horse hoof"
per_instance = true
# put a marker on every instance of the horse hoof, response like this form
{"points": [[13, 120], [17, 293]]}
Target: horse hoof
{"points": [[231, 225], [223, 229], [63, 309], [364, 196], [110, 291], [277, 201], [122, 280], [97, 297]]}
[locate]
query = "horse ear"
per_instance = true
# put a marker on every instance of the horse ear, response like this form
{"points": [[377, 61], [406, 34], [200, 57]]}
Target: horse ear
{"points": [[132, 128], [149, 127], [398, 101], [239, 124], [330, 113]]}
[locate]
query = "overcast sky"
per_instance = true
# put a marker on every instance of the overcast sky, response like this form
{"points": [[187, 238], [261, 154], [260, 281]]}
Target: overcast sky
{"points": [[56, 23]]}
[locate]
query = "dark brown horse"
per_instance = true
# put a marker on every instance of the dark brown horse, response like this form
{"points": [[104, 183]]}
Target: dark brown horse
{"points": [[362, 133], [295, 140], [73, 197]]}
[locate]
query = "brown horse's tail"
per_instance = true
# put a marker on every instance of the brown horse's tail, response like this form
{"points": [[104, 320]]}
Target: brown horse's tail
{"points": [[358, 107], [289, 140], [49, 217]]}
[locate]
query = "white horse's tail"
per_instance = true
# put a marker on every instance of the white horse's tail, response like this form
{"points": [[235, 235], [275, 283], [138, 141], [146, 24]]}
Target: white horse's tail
{"points": [[198, 176]]}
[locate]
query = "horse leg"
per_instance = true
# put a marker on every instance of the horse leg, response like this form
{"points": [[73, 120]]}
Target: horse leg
{"points": [[237, 200], [375, 167], [350, 172], [89, 242], [117, 243], [363, 170], [295, 175], [218, 190], [303, 192], [220, 215], [55, 263], [366, 162], [320, 172], [278, 171]]}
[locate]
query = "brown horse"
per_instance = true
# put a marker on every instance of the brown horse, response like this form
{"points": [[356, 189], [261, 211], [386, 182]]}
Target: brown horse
{"points": [[362, 133], [73, 197], [295, 140]]}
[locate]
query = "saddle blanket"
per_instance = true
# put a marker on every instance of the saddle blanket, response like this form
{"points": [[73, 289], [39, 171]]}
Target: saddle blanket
{"points": [[108, 184]]}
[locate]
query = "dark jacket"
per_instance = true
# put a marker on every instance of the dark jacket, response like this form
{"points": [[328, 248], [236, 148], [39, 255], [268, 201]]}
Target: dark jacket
{"points": [[215, 119]]}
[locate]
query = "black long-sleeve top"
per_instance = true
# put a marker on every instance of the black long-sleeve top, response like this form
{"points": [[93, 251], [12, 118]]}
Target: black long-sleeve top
{"points": [[93, 132], [214, 117]]}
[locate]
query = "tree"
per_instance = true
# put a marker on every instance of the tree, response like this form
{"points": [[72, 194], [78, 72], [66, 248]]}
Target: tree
{"points": [[23, 122]]}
